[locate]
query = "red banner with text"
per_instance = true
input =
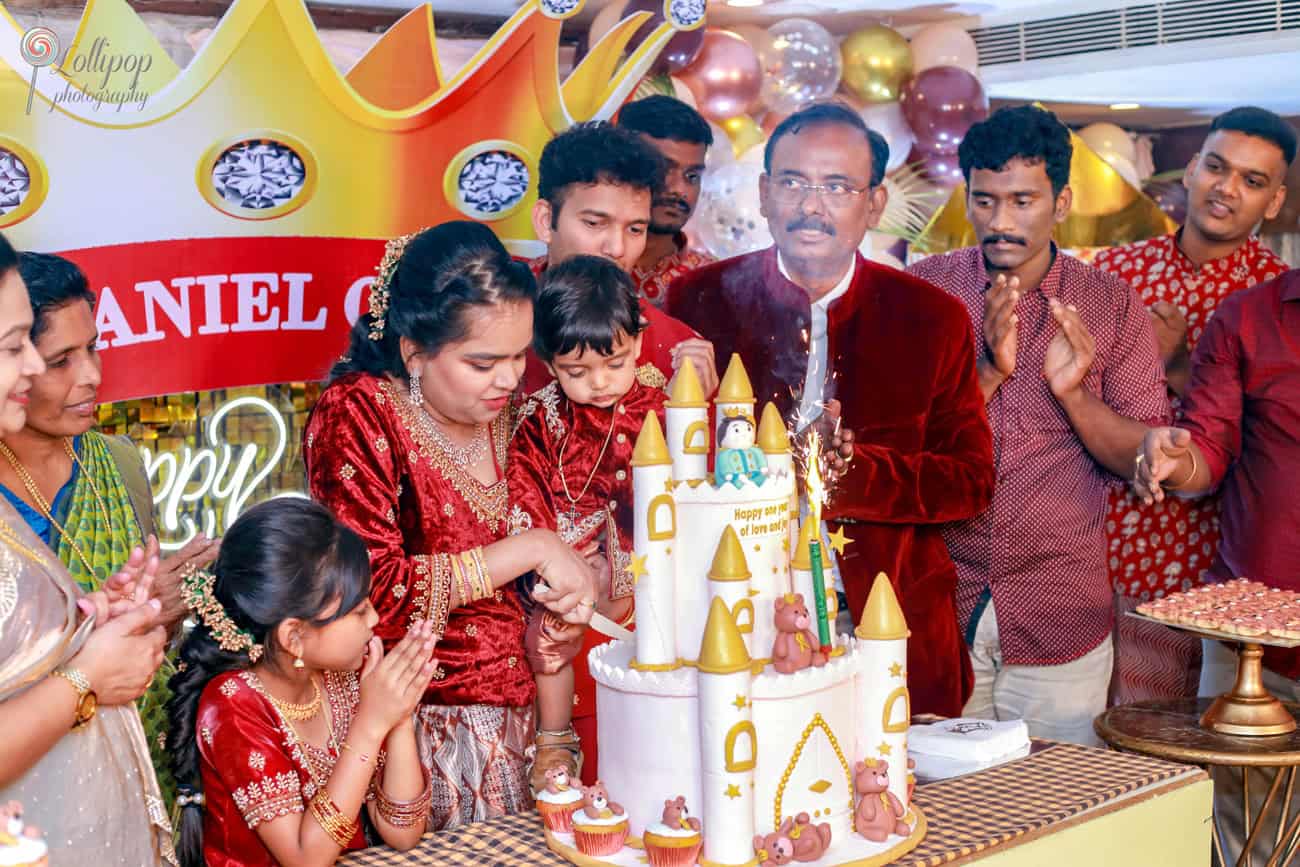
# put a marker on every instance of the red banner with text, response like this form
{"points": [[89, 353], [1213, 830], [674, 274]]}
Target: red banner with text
{"points": [[209, 313]]}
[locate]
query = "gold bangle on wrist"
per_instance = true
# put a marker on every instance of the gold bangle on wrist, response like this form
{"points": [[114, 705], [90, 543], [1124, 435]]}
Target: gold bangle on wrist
{"points": [[1190, 476], [340, 828]]}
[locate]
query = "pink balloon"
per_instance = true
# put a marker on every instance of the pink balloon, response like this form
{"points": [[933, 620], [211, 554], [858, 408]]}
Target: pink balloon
{"points": [[726, 77], [680, 51], [941, 104], [944, 45]]}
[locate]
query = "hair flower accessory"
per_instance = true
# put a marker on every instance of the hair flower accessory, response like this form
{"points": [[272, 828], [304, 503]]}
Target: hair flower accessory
{"points": [[379, 291], [196, 590]]}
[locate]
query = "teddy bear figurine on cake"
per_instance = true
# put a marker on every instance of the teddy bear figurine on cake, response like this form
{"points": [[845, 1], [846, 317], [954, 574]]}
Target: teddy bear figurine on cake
{"points": [[20, 844], [733, 695]]}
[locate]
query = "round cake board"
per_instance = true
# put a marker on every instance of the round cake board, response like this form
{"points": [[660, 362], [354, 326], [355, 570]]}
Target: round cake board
{"points": [[855, 852]]}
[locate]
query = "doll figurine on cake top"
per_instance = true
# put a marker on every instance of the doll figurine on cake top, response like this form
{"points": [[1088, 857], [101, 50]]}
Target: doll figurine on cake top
{"points": [[738, 457]]}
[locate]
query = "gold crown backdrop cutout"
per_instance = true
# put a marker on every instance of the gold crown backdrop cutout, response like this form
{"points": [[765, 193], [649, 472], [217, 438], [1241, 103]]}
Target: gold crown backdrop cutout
{"points": [[260, 135]]}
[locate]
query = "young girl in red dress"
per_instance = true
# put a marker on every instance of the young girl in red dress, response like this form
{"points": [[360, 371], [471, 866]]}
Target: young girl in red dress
{"points": [[290, 727]]}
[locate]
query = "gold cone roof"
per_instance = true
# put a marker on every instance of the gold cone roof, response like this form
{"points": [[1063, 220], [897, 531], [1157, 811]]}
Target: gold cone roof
{"points": [[773, 438], [735, 387], [882, 619], [729, 560], [650, 450], [802, 559], [723, 649], [687, 391]]}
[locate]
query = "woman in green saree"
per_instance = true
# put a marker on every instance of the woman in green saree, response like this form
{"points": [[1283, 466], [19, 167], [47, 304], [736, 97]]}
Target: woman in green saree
{"points": [[85, 494]]}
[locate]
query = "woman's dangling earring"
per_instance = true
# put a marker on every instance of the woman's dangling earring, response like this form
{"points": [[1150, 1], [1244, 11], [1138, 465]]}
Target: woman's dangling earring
{"points": [[416, 396], [298, 663]]}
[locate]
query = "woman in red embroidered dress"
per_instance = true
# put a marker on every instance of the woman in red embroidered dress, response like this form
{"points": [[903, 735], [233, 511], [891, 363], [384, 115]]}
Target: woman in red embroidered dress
{"points": [[407, 445], [270, 718]]}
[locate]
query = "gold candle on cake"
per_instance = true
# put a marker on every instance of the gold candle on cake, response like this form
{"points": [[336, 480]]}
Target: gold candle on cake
{"points": [[815, 493]]}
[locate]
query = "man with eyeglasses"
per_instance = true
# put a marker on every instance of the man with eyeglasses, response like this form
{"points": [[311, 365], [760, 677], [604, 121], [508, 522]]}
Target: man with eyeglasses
{"points": [[1072, 379], [880, 360]]}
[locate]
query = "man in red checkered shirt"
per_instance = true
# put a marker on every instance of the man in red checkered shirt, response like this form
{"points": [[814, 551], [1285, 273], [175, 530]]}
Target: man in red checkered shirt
{"points": [[682, 137], [1071, 379]]}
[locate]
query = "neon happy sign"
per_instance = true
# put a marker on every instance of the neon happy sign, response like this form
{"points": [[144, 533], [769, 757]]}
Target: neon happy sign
{"points": [[206, 488]]}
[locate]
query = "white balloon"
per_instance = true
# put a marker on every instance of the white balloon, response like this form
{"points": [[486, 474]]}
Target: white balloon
{"points": [[801, 65], [1107, 138], [944, 45], [887, 119], [729, 221]]}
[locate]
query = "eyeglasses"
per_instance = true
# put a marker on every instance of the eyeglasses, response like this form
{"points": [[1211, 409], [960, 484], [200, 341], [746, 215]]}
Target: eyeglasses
{"points": [[791, 191]]}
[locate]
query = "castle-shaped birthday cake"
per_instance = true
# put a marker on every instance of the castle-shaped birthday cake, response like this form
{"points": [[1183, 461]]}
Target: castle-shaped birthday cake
{"points": [[729, 732]]}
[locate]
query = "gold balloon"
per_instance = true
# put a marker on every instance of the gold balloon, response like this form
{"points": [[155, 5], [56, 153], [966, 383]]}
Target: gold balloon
{"points": [[744, 133], [877, 60]]}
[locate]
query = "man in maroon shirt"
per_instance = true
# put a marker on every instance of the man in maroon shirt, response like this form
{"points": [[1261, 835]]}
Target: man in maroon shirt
{"points": [[1071, 377], [1240, 435], [818, 325], [595, 186]]}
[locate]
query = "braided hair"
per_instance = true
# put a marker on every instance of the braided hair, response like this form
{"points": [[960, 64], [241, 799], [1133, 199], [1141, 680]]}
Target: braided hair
{"points": [[284, 558]]}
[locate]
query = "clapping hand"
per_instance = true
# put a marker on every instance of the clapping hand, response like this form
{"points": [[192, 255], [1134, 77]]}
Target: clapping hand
{"points": [[1161, 452], [123, 653], [1071, 352], [1000, 323], [393, 683]]}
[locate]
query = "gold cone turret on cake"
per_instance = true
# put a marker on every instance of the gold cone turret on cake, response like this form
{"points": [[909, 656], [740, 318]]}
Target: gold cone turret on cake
{"points": [[687, 391], [729, 560], [882, 619], [802, 558], [773, 438], [650, 450], [723, 649], [735, 387]]}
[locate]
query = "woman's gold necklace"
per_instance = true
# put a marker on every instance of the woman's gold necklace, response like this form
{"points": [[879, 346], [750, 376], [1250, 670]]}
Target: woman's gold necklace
{"points": [[43, 505], [299, 712]]}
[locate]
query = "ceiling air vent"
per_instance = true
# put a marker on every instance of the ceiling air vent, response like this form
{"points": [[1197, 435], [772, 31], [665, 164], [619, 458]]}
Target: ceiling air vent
{"points": [[1133, 27]]}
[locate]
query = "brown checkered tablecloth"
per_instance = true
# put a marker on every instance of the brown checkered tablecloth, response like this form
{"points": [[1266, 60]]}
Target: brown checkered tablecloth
{"points": [[1013, 802]]}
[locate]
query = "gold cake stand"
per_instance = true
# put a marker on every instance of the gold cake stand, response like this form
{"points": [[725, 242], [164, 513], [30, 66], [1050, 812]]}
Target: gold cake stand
{"points": [[1248, 709]]}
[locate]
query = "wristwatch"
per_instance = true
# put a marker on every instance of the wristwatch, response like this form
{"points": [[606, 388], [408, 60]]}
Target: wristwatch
{"points": [[87, 701]]}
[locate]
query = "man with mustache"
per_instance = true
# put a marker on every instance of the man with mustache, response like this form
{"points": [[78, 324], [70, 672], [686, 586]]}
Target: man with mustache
{"points": [[1069, 369], [594, 190], [682, 137], [1234, 183], [884, 360]]}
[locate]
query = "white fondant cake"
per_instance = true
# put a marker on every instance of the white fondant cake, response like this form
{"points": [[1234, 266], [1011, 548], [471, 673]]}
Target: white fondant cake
{"points": [[694, 706]]}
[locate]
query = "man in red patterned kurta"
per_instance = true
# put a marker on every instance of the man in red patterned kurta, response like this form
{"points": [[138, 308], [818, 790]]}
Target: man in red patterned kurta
{"points": [[682, 137], [594, 191], [1069, 371], [1233, 184]]}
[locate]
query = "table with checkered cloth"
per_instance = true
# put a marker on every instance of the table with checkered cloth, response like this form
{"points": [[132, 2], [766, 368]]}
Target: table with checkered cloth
{"points": [[1006, 805]]}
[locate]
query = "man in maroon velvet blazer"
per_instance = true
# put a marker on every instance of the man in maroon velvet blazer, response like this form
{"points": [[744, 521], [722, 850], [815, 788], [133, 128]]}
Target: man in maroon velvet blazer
{"points": [[818, 325]]}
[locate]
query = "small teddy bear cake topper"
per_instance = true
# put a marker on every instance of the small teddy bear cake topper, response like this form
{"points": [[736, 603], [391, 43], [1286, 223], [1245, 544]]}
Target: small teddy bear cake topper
{"points": [[738, 457], [676, 815], [596, 802], [796, 646], [798, 839], [879, 812], [557, 779]]}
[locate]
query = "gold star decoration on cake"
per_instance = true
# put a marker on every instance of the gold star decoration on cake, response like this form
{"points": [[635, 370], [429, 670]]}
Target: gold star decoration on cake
{"points": [[884, 749], [669, 485], [839, 541], [785, 544], [895, 670], [637, 568], [740, 702], [733, 791]]}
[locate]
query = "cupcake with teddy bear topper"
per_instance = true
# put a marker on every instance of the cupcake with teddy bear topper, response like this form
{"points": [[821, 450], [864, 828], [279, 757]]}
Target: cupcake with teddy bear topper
{"points": [[676, 841], [600, 827], [558, 801], [20, 844]]}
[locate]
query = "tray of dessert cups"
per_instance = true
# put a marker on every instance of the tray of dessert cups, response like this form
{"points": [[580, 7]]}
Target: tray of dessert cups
{"points": [[1241, 610]]}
